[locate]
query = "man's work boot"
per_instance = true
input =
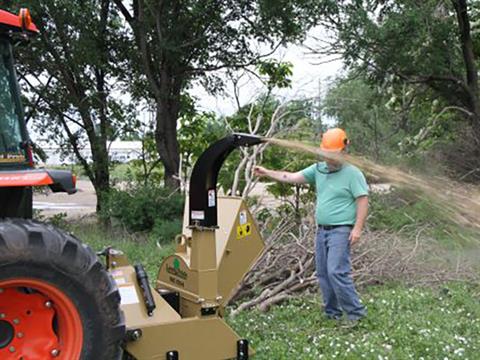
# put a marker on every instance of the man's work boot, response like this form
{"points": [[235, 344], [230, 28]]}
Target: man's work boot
{"points": [[349, 324]]}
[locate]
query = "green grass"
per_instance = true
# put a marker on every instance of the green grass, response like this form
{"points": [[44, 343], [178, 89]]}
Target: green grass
{"points": [[121, 172], [400, 211], [402, 323], [138, 249]]}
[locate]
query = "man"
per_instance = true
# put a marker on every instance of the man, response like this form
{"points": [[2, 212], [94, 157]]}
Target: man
{"points": [[341, 211]]}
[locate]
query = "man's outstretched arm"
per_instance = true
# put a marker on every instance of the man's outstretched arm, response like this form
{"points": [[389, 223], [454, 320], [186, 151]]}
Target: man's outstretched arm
{"points": [[281, 176]]}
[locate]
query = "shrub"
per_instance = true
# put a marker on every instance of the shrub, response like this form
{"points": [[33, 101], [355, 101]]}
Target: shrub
{"points": [[59, 220], [164, 231], [402, 211], [140, 208]]}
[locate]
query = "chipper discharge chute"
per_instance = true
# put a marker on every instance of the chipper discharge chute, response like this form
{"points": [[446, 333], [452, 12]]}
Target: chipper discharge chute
{"points": [[58, 301]]}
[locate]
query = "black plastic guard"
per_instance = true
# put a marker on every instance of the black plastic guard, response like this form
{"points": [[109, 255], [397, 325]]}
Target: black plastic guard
{"points": [[62, 181], [203, 181]]}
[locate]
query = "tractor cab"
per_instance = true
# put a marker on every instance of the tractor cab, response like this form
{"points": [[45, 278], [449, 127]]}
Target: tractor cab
{"points": [[17, 173], [14, 145]]}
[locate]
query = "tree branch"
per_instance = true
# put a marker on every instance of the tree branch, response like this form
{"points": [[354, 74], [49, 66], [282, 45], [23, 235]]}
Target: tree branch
{"points": [[126, 14], [42, 96]]}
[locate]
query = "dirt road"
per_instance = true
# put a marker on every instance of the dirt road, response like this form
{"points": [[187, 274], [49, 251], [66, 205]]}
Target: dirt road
{"points": [[77, 205]]}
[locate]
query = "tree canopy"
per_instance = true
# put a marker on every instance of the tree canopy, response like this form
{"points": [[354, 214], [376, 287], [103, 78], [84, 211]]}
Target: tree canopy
{"points": [[421, 57], [177, 42], [70, 72]]}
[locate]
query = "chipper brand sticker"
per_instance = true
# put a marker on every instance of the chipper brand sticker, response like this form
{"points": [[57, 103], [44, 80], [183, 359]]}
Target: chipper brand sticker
{"points": [[8, 158], [120, 280], [117, 273], [244, 230], [175, 270]]}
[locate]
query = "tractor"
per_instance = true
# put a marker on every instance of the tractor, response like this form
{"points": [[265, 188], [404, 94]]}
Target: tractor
{"points": [[61, 300]]}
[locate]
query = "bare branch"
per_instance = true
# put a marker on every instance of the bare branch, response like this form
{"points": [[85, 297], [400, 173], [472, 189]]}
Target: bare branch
{"points": [[126, 14]]}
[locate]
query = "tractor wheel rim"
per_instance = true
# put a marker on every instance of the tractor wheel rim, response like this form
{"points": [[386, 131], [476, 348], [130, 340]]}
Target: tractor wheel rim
{"points": [[45, 321]]}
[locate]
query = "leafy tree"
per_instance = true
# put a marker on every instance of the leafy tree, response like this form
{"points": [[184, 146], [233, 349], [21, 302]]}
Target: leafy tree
{"points": [[196, 133], [145, 170], [277, 73], [180, 41], [70, 72], [427, 44], [376, 119]]}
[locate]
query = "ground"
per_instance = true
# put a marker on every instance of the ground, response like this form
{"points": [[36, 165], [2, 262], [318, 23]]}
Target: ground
{"points": [[77, 205], [403, 322]]}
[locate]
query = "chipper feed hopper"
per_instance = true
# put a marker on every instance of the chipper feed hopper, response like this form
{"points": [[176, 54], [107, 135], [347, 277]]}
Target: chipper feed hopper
{"points": [[59, 301]]}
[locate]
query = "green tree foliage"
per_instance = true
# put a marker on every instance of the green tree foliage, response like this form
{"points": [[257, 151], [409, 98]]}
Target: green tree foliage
{"points": [[377, 119], [411, 41], [421, 59], [277, 73], [196, 133], [361, 111], [177, 42], [146, 170], [395, 124], [70, 73]]}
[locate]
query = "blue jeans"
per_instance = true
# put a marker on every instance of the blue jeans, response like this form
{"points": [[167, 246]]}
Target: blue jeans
{"points": [[334, 273]]}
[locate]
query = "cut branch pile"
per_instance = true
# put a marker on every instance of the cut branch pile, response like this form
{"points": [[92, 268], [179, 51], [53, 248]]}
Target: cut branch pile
{"points": [[287, 266]]}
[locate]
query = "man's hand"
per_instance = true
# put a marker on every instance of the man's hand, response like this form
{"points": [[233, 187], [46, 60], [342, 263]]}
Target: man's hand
{"points": [[362, 211], [260, 171], [355, 235]]}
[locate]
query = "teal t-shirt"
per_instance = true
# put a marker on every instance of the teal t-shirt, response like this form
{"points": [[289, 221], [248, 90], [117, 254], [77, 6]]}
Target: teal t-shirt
{"points": [[336, 192]]}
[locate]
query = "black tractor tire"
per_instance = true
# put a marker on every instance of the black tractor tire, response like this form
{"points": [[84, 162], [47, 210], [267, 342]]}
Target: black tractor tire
{"points": [[30, 249]]}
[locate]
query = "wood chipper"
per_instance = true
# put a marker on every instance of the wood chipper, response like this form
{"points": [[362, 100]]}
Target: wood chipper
{"points": [[58, 300]]}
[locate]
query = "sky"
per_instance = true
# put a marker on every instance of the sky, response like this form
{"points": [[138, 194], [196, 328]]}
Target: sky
{"points": [[311, 77]]}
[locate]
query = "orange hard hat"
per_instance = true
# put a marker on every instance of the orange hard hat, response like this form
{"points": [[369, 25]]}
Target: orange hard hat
{"points": [[334, 140]]}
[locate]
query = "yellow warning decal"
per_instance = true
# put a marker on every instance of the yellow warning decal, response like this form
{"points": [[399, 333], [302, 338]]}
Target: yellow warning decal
{"points": [[247, 228], [240, 233], [244, 230]]}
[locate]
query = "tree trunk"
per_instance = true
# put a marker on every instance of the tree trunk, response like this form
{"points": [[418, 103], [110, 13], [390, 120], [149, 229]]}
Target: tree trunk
{"points": [[471, 74], [168, 108], [167, 143], [101, 182], [165, 86], [101, 189]]}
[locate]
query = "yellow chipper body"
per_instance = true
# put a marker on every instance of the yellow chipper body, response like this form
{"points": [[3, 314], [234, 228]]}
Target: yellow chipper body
{"points": [[181, 316]]}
